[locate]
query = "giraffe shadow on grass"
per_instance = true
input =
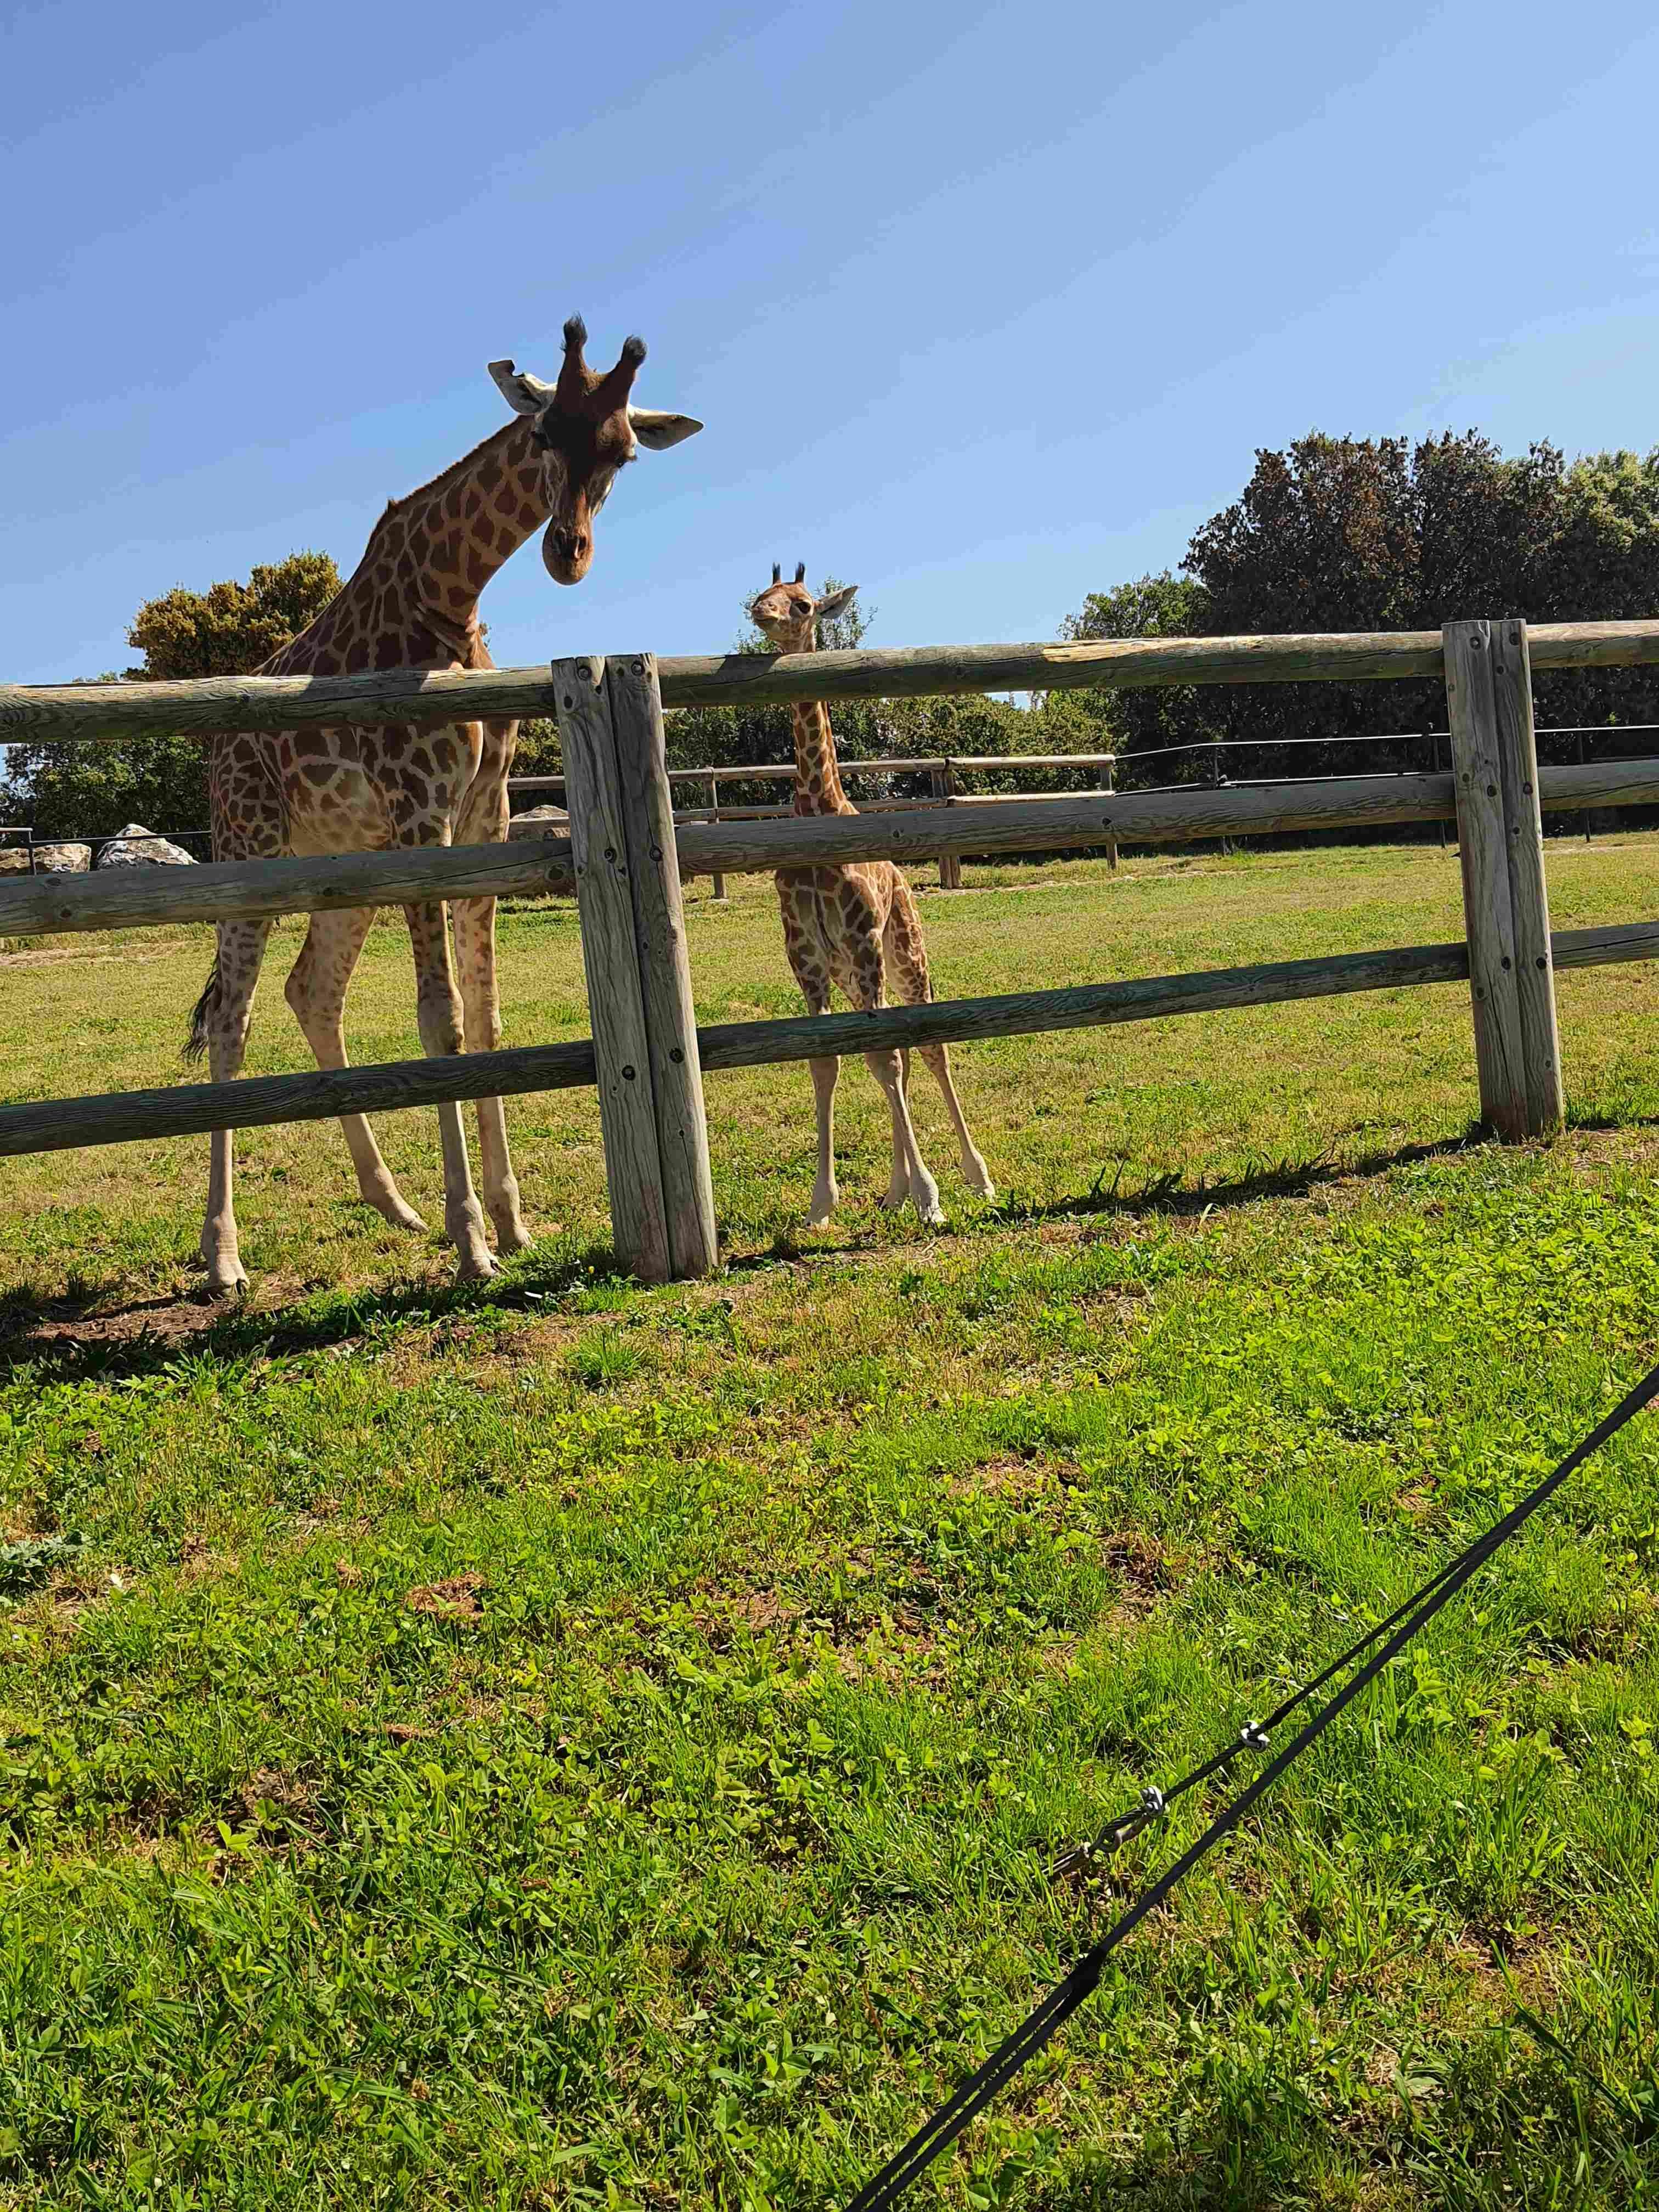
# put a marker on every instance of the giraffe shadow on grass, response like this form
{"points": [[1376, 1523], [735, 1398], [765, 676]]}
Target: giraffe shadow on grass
{"points": [[83, 1338], [1173, 1195]]}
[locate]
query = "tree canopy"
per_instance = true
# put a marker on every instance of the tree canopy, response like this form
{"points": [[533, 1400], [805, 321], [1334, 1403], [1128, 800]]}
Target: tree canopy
{"points": [[231, 628], [1356, 534], [93, 790], [1328, 534]]}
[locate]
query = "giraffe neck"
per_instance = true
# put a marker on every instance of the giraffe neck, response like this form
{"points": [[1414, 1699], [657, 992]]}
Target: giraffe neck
{"points": [[817, 777], [414, 595]]}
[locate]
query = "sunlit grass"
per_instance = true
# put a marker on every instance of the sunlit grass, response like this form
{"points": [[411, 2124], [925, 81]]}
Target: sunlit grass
{"points": [[567, 1744]]}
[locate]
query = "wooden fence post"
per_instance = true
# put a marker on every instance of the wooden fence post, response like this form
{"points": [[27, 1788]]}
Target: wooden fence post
{"points": [[622, 835], [714, 816], [665, 966], [1505, 904], [949, 864], [1109, 782]]}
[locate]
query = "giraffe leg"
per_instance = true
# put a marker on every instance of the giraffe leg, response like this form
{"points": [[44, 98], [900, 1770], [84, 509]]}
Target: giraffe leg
{"points": [[813, 977], [910, 1178], [975, 1173], [907, 962], [826, 1191], [438, 1006], [222, 1024], [474, 921], [316, 989]]}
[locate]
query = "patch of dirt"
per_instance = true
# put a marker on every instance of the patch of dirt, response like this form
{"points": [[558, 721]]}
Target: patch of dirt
{"points": [[64, 1326], [198, 1560], [1017, 1480], [281, 1807], [761, 1613], [454, 1598], [1144, 1572]]}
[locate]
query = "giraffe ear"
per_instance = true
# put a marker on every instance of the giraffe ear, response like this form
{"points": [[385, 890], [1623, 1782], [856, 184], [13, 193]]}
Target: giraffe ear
{"points": [[836, 604], [524, 393], [653, 428]]}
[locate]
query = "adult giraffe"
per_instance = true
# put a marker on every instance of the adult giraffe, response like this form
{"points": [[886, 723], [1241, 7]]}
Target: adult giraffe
{"points": [[854, 925], [413, 603]]}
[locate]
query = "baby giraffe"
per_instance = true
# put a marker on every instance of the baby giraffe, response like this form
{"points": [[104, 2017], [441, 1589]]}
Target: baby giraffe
{"points": [[856, 926]]}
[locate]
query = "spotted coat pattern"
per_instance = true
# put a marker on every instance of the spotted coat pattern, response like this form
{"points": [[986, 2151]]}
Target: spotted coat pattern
{"points": [[854, 927], [412, 603]]}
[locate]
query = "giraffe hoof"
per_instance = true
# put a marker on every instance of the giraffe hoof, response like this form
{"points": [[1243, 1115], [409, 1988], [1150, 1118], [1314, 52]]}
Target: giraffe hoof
{"points": [[512, 1237], [475, 1268]]}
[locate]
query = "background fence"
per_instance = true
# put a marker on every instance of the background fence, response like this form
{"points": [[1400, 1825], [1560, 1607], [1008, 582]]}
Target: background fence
{"points": [[945, 773], [646, 1057]]}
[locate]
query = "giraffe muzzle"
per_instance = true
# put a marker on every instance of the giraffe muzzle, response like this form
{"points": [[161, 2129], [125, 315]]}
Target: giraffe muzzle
{"points": [[567, 553]]}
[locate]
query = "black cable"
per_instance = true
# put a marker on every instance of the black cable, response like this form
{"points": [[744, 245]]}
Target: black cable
{"points": [[972, 2096], [1252, 1736]]}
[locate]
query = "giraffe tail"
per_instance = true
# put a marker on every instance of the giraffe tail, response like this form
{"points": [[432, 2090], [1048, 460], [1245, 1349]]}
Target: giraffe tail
{"points": [[196, 1042]]}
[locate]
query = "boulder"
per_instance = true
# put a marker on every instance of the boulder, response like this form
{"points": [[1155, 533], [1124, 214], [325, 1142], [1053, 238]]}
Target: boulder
{"points": [[49, 859], [135, 847], [555, 822], [545, 822], [540, 822]]}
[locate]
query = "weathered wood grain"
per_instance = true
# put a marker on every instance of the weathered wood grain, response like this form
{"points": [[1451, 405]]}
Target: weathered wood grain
{"points": [[783, 771], [1523, 833], [191, 1110], [604, 896], [664, 965], [1488, 912], [258, 1101], [34, 906], [212, 704], [137, 899]]}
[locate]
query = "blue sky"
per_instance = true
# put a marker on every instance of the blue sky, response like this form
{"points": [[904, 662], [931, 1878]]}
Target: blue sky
{"points": [[984, 304]]}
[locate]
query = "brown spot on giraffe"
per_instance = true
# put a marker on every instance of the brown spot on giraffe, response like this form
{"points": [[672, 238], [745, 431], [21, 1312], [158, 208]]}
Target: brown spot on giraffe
{"points": [[856, 928], [344, 789]]}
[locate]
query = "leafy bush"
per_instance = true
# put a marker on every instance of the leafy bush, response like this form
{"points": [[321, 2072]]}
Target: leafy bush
{"points": [[93, 790]]}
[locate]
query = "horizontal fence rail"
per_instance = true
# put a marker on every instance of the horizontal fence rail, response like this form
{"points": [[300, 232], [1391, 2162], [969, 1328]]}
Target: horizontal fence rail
{"points": [[211, 704], [525, 868], [628, 884], [784, 771], [194, 1110]]}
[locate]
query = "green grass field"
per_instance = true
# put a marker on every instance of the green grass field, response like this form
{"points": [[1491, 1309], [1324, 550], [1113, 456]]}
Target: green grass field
{"points": [[571, 1745]]}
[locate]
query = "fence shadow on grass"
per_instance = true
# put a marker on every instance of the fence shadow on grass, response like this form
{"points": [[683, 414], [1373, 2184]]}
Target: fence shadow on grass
{"points": [[68, 1339]]}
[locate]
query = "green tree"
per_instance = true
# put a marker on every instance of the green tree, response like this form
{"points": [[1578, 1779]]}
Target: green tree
{"points": [[93, 790], [1160, 724], [1355, 534], [231, 628]]}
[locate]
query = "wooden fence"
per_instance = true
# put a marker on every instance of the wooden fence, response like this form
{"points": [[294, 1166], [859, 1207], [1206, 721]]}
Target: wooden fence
{"points": [[646, 1056], [942, 771]]}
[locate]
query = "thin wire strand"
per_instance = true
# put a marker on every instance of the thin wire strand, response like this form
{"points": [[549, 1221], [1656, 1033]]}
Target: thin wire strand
{"points": [[973, 2095]]}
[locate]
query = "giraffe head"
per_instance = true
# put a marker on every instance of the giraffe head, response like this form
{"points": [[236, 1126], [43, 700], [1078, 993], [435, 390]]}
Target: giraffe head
{"points": [[585, 430], [789, 615]]}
